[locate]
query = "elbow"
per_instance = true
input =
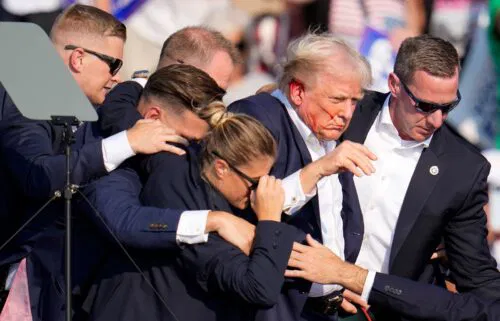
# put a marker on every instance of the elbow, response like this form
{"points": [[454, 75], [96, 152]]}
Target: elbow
{"points": [[264, 293]]}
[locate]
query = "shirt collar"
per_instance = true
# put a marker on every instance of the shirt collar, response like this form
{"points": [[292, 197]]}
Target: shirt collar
{"points": [[385, 122]]}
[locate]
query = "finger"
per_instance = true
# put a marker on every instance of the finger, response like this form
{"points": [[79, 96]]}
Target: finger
{"points": [[175, 139], [353, 297], [172, 149], [351, 167], [294, 274], [262, 183], [362, 161], [348, 307], [144, 121], [299, 247], [296, 256], [366, 151], [297, 264], [312, 242]]}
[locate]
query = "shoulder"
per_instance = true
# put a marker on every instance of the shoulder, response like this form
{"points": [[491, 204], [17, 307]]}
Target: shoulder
{"points": [[372, 99], [455, 144], [259, 105]]}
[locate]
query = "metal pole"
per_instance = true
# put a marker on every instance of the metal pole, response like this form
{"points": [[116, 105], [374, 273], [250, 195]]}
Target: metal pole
{"points": [[67, 210]]}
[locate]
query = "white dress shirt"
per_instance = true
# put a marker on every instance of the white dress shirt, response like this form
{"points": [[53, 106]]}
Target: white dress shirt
{"points": [[329, 194], [382, 193]]}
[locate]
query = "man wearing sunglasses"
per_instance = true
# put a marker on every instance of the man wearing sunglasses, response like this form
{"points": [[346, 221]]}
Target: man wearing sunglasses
{"points": [[429, 183], [90, 42]]}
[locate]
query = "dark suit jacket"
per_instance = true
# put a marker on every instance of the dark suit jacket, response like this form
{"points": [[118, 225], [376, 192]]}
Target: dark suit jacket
{"points": [[119, 112], [448, 205], [211, 281], [427, 302]]}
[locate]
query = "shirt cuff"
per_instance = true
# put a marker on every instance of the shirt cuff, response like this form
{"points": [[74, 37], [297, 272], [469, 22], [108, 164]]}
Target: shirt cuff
{"points": [[140, 81], [115, 150], [367, 288], [295, 197], [191, 227]]}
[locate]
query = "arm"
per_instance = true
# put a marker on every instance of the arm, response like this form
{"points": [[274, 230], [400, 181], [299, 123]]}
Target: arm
{"points": [[28, 152], [256, 279], [119, 112], [116, 198], [471, 264], [408, 298]]}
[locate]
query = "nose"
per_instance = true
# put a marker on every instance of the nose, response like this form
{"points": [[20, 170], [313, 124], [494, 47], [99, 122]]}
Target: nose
{"points": [[436, 119], [348, 109], [116, 79]]}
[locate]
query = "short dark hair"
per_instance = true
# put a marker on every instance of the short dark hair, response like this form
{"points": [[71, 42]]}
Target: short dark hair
{"points": [[433, 55], [182, 86], [88, 20], [195, 44]]}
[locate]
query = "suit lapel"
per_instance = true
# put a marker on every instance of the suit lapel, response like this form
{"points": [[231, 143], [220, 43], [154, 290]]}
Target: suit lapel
{"points": [[364, 116], [420, 188]]}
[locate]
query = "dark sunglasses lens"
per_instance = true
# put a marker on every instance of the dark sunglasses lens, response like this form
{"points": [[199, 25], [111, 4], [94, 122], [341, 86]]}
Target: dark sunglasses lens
{"points": [[430, 108], [115, 66], [427, 107]]}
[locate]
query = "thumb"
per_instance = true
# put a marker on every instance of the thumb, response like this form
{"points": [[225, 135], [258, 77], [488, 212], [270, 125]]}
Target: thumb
{"points": [[312, 242]]}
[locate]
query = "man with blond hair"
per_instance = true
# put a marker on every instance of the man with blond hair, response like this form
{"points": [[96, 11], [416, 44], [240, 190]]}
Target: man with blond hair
{"points": [[323, 79]]}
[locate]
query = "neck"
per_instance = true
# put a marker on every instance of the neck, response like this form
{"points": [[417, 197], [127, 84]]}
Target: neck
{"points": [[393, 104]]}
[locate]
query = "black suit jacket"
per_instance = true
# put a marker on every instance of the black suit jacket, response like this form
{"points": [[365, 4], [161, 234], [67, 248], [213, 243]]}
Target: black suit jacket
{"points": [[419, 301], [211, 281], [449, 204]]}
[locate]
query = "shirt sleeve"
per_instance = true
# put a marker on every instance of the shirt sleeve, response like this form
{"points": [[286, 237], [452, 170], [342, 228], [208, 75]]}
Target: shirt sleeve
{"points": [[295, 198], [191, 228], [367, 288], [115, 150]]}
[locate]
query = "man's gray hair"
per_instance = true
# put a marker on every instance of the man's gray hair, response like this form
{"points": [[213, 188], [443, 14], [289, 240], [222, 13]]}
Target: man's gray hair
{"points": [[312, 54]]}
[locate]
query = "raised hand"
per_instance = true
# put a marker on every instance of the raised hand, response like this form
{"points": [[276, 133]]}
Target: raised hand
{"points": [[151, 136], [267, 200]]}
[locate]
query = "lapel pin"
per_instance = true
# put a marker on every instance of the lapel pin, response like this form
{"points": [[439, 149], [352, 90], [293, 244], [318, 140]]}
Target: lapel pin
{"points": [[434, 170]]}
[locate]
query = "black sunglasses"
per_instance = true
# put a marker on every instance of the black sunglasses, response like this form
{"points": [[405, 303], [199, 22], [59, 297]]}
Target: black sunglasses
{"points": [[426, 107], [253, 182], [114, 63]]}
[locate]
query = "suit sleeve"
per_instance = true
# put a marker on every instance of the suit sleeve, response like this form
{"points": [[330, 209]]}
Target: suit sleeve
{"points": [[119, 110], [248, 107], [256, 279], [116, 198], [39, 170], [419, 301], [471, 264]]}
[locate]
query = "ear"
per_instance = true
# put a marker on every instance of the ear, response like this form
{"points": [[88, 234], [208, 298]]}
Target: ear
{"points": [[76, 63], [153, 112], [296, 90], [221, 168], [394, 85]]}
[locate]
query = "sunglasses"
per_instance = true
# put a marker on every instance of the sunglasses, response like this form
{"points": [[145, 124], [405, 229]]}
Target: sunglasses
{"points": [[428, 107], [253, 182], [114, 64]]}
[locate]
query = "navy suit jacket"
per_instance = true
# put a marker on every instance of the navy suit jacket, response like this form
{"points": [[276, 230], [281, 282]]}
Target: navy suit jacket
{"points": [[419, 301], [449, 204], [211, 281]]}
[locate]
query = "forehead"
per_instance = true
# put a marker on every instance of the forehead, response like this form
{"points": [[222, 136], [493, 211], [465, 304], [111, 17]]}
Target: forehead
{"points": [[111, 46], [432, 88], [220, 68], [346, 84]]}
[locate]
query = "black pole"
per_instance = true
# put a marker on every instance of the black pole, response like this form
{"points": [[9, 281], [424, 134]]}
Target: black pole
{"points": [[67, 210]]}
